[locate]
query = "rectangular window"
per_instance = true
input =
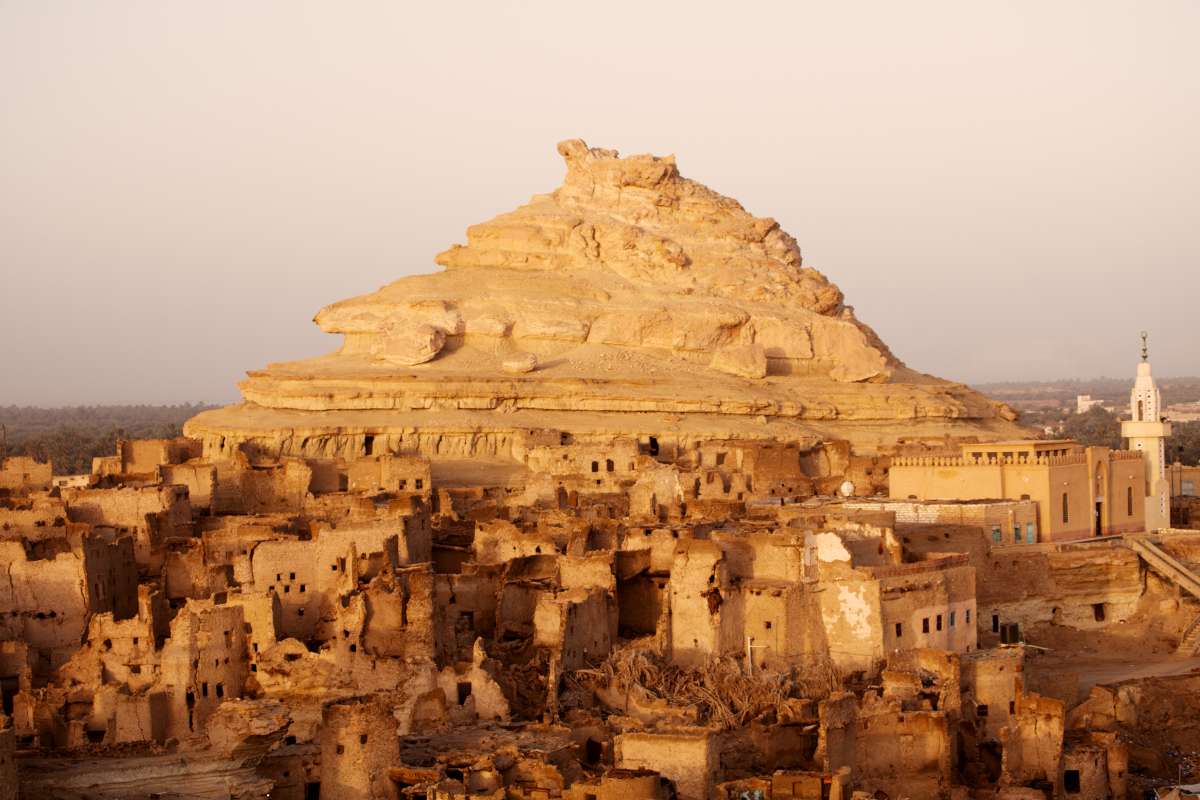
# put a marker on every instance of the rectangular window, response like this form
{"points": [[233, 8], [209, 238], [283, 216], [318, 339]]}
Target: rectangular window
{"points": [[1129, 502], [899, 630], [952, 614], [968, 615], [925, 625], [1030, 536], [939, 622], [1017, 533], [1066, 513], [1071, 782], [997, 537]]}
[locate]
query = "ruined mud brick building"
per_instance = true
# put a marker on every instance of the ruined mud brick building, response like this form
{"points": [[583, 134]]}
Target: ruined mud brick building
{"points": [[607, 509]]}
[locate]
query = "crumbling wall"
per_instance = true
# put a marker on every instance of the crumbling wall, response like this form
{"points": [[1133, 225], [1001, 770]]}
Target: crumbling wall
{"points": [[1063, 584], [1033, 742], [151, 514], [616, 784], [276, 486], [471, 687], [659, 541], [993, 681], [203, 662], [1085, 770], [144, 457], [24, 474], [117, 653], [46, 600], [400, 618], [924, 680], [618, 457], [852, 619], [200, 479], [467, 608], [687, 757], [703, 609], [359, 743], [389, 474], [8, 760], [904, 753], [837, 741], [577, 625]]}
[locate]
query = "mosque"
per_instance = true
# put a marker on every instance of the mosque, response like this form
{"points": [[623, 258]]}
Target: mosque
{"points": [[1080, 491]]}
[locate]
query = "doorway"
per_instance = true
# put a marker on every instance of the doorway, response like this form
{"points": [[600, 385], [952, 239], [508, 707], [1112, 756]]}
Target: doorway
{"points": [[1099, 518]]}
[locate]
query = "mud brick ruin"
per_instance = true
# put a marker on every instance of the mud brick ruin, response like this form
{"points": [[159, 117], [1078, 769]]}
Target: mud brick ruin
{"points": [[624, 503]]}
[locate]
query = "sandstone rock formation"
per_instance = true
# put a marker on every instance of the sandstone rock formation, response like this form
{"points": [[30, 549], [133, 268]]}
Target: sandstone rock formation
{"points": [[649, 304]]}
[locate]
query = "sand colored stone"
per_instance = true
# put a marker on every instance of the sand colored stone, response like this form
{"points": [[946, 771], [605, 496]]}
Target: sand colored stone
{"points": [[629, 289]]}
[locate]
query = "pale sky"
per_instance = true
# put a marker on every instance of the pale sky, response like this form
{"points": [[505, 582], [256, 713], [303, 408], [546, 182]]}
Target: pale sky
{"points": [[1004, 190]]}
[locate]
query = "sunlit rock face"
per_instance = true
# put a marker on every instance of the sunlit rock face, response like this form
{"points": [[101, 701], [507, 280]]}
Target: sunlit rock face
{"points": [[629, 300]]}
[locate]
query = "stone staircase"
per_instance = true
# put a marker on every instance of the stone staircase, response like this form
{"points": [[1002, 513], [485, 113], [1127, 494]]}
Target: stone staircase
{"points": [[1173, 570], [1190, 642], [1164, 564]]}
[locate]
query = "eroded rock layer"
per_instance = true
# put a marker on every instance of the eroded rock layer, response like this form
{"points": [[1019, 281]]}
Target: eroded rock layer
{"points": [[629, 300]]}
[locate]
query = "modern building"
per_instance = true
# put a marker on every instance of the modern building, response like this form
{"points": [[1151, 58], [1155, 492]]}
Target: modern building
{"points": [[1080, 491]]}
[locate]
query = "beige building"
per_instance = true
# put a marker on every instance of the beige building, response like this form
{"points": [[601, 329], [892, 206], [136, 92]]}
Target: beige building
{"points": [[1007, 522], [1080, 491], [1183, 480]]}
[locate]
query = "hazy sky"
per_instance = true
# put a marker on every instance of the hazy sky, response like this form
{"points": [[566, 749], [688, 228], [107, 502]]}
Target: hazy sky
{"points": [[1004, 190]]}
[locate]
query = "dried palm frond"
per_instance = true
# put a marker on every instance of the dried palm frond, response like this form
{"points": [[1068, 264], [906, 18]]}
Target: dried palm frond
{"points": [[720, 691]]}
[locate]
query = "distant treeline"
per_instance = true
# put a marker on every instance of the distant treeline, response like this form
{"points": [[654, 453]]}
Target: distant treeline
{"points": [[1113, 391], [1098, 427], [72, 436]]}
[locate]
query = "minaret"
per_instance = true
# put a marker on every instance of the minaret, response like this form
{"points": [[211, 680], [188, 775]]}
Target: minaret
{"points": [[1147, 434]]}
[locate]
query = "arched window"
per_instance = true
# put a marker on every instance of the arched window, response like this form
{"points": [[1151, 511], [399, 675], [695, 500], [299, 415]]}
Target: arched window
{"points": [[1066, 515], [1140, 411]]}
